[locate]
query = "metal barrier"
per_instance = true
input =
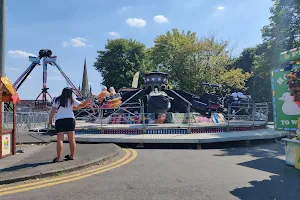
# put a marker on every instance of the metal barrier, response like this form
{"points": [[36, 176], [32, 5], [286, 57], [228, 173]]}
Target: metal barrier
{"points": [[247, 112], [261, 112], [87, 114], [26, 120], [95, 113], [251, 115]]}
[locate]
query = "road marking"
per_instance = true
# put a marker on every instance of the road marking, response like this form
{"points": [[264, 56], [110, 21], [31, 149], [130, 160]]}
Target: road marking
{"points": [[68, 176], [130, 156]]}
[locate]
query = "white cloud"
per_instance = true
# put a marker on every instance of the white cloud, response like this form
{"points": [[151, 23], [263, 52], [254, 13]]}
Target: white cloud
{"points": [[30, 77], [13, 69], [19, 54], [90, 83], [160, 19], [55, 71], [125, 9], [136, 22], [114, 34], [75, 42], [55, 78], [220, 7]]}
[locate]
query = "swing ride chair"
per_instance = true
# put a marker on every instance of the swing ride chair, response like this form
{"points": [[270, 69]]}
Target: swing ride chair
{"points": [[45, 58], [113, 107]]}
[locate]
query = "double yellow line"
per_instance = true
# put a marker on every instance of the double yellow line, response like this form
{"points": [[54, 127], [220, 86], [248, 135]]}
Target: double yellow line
{"points": [[129, 156]]}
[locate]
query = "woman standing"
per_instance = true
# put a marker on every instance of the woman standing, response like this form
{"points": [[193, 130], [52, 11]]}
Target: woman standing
{"points": [[65, 120]]}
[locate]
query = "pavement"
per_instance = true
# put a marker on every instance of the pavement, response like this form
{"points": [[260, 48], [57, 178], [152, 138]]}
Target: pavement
{"points": [[36, 161], [28, 137], [248, 173]]}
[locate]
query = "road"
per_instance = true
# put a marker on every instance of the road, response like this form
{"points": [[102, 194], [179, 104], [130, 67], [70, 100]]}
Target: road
{"points": [[248, 173]]}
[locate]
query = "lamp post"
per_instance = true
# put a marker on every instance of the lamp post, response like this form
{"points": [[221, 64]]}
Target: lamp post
{"points": [[2, 36]]}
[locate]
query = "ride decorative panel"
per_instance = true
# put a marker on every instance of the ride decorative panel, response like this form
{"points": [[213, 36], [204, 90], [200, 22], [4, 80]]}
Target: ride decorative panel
{"points": [[286, 111]]}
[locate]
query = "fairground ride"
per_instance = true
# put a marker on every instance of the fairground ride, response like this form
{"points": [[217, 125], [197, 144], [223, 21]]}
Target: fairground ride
{"points": [[45, 58]]}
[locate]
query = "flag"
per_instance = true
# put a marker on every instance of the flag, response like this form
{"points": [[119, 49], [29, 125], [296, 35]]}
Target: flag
{"points": [[135, 80]]}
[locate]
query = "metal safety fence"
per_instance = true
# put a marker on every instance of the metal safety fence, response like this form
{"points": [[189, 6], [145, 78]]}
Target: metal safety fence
{"points": [[238, 114], [26, 120], [248, 114]]}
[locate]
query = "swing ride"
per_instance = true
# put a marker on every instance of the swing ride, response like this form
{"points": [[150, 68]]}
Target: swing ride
{"points": [[45, 58]]}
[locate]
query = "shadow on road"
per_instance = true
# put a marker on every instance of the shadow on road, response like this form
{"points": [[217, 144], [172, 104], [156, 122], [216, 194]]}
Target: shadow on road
{"points": [[24, 166], [284, 181], [257, 151], [284, 185]]}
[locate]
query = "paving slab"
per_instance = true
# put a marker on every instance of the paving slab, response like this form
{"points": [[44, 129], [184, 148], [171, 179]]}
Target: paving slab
{"points": [[38, 164], [27, 151]]}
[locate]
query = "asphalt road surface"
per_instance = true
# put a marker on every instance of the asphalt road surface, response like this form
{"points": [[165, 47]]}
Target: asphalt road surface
{"points": [[252, 173]]}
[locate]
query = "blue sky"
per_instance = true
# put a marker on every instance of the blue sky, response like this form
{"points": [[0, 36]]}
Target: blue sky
{"points": [[73, 29]]}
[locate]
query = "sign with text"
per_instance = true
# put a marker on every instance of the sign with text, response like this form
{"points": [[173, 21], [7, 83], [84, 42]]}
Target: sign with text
{"points": [[297, 161], [6, 144], [286, 111], [291, 55]]}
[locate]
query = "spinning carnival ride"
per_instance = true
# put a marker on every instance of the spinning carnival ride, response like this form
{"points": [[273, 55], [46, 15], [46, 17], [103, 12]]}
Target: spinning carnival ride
{"points": [[45, 55], [158, 96]]}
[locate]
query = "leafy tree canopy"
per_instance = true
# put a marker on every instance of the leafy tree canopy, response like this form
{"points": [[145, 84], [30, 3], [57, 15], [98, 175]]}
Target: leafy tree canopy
{"points": [[120, 60], [191, 61]]}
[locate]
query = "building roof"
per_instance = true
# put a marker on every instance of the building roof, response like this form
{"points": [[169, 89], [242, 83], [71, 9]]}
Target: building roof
{"points": [[156, 73]]}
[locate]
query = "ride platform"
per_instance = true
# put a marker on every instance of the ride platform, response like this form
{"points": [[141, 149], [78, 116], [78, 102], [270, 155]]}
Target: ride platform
{"points": [[175, 133]]}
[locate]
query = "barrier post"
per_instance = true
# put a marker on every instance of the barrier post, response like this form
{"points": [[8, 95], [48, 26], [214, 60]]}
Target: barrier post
{"points": [[101, 118], [228, 117], [253, 115], [267, 115], [188, 118], [28, 121], [18, 122], [143, 117]]}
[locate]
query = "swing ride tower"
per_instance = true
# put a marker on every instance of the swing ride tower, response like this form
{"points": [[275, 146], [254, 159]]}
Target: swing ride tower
{"points": [[45, 58]]}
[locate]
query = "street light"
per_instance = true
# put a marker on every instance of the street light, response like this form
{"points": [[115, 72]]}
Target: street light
{"points": [[2, 36]]}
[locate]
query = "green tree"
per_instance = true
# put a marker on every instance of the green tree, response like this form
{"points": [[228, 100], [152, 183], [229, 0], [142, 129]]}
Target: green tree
{"points": [[191, 61], [253, 60], [245, 60], [282, 33], [120, 60]]}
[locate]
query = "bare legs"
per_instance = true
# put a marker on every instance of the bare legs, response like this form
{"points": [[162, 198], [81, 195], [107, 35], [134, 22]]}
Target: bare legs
{"points": [[59, 144], [60, 141], [72, 143]]}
